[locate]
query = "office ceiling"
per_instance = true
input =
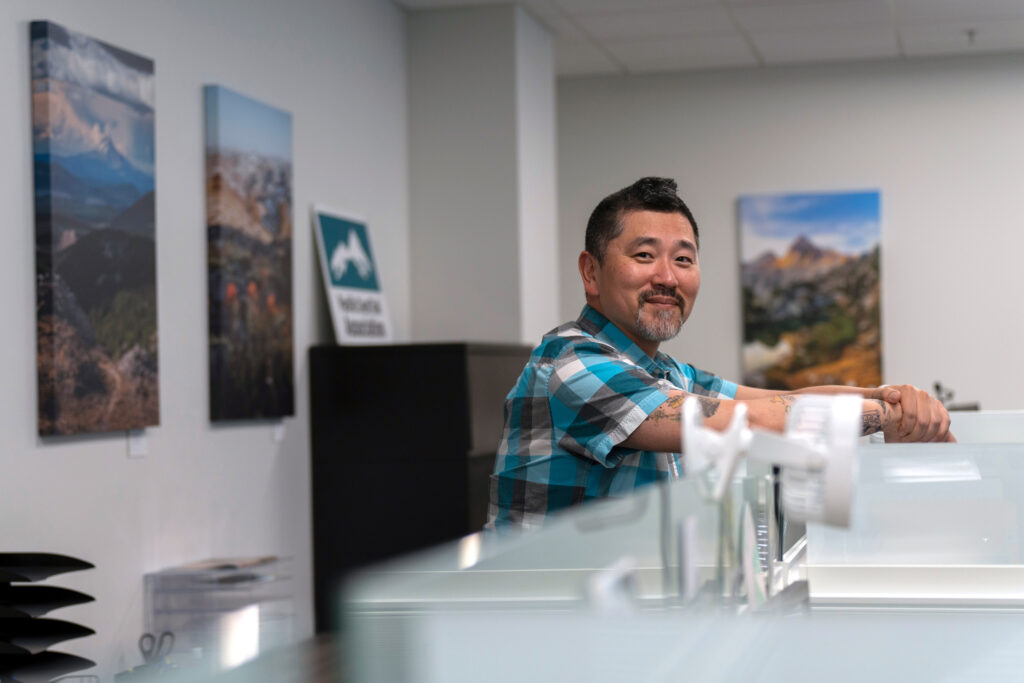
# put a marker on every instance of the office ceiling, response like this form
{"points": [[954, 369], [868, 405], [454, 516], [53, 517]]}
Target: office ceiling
{"points": [[640, 36]]}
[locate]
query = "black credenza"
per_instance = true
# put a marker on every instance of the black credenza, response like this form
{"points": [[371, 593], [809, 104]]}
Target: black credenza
{"points": [[403, 444]]}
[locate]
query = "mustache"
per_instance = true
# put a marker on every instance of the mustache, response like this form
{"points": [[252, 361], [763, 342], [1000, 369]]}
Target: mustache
{"points": [[662, 291]]}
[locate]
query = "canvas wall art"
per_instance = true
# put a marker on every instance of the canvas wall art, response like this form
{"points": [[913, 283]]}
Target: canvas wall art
{"points": [[249, 256], [93, 148], [811, 289]]}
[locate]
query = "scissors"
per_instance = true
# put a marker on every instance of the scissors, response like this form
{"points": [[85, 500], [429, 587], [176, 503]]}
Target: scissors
{"points": [[155, 648]]}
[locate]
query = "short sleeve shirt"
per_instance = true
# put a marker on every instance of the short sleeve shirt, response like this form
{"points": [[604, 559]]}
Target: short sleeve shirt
{"points": [[585, 389]]}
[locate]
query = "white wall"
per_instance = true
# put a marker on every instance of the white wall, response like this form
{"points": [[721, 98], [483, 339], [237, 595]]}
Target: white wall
{"points": [[482, 175], [339, 67], [538, 213], [462, 174], [942, 139]]}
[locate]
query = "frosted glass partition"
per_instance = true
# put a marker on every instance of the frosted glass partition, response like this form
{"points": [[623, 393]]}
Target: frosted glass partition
{"points": [[683, 646], [933, 556], [551, 565], [931, 504], [615, 556], [934, 524], [987, 426]]}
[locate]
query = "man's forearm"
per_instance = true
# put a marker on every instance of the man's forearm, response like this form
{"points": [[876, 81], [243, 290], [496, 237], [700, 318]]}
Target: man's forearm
{"points": [[876, 415], [836, 389], [747, 393], [662, 430], [921, 417]]}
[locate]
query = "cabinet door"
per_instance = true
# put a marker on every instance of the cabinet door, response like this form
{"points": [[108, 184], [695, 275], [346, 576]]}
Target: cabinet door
{"points": [[491, 371]]}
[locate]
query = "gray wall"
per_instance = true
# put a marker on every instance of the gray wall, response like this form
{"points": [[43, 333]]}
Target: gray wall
{"points": [[462, 171], [202, 491], [940, 138], [482, 175], [538, 193]]}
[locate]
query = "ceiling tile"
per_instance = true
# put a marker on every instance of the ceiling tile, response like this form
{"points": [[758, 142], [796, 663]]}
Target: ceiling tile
{"points": [[696, 52], [846, 14], [644, 24], [649, 35], [826, 45], [584, 6], [945, 11], [776, 3], [578, 58], [435, 4], [992, 36], [556, 20]]}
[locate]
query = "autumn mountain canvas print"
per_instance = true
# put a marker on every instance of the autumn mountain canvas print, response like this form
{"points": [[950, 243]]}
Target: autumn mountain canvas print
{"points": [[811, 288]]}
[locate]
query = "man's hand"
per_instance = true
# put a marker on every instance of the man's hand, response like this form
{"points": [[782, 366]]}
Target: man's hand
{"points": [[923, 417]]}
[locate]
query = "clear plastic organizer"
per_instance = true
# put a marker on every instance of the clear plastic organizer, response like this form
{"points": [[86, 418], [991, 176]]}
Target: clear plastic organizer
{"points": [[222, 612]]}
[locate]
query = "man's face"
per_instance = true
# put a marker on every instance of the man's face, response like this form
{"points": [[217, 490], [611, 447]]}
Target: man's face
{"points": [[649, 279]]}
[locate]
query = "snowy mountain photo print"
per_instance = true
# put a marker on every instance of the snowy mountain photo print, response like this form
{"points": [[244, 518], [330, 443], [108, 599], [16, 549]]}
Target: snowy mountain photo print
{"points": [[96, 319]]}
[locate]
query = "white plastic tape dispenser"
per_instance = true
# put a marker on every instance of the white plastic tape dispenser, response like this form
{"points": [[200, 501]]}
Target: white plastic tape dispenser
{"points": [[818, 457], [817, 454]]}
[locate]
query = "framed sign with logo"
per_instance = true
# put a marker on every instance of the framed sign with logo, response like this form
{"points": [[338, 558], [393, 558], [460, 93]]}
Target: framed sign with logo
{"points": [[359, 310]]}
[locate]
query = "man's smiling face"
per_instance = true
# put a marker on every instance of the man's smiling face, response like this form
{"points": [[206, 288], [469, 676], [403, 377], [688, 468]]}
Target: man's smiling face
{"points": [[648, 280]]}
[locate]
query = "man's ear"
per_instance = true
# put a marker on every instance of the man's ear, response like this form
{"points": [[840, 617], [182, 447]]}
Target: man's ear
{"points": [[589, 268]]}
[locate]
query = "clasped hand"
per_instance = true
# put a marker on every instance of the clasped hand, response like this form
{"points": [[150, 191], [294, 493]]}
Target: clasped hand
{"points": [[923, 417]]}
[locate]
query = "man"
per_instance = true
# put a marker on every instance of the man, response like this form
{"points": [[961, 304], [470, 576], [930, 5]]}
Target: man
{"points": [[597, 409]]}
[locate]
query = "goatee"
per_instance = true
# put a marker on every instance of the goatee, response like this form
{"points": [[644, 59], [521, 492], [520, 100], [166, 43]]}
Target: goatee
{"points": [[665, 325]]}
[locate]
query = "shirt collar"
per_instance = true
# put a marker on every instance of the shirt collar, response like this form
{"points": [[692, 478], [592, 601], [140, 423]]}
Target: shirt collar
{"points": [[595, 323]]}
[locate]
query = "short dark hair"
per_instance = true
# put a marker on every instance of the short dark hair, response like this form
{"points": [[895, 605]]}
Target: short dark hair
{"points": [[646, 194]]}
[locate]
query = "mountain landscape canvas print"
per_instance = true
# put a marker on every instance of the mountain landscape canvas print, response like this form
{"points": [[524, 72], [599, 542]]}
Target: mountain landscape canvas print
{"points": [[811, 289], [249, 256], [96, 307]]}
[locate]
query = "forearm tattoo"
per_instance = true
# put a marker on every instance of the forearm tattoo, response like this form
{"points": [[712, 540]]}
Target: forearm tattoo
{"points": [[785, 400], [871, 421], [672, 409], [708, 406]]}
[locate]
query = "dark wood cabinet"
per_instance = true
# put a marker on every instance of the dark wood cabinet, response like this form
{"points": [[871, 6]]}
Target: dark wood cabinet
{"points": [[403, 444]]}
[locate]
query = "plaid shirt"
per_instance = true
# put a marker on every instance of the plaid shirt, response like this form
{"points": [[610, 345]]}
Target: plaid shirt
{"points": [[583, 392]]}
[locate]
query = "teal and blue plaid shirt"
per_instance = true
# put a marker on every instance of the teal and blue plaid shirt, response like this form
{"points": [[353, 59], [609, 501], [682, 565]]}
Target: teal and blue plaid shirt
{"points": [[583, 392]]}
